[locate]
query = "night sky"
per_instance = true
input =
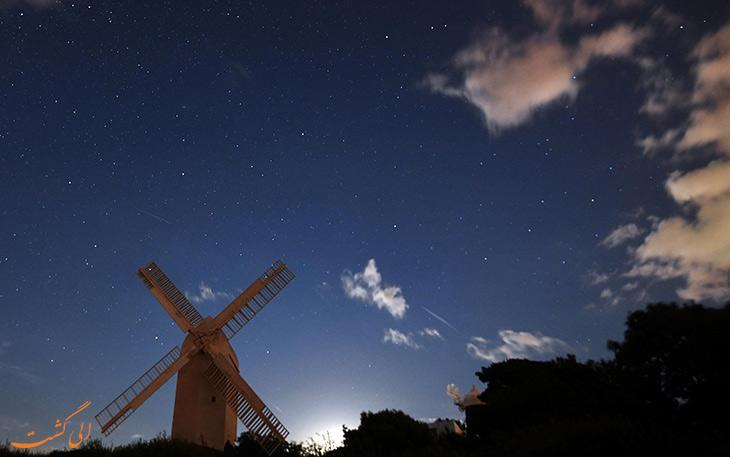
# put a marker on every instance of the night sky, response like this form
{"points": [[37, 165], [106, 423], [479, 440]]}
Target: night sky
{"points": [[453, 183]]}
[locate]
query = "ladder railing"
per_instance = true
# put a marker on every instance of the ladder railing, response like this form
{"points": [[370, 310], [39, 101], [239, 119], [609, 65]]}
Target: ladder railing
{"points": [[119, 409], [266, 429], [270, 283], [172, 293]]}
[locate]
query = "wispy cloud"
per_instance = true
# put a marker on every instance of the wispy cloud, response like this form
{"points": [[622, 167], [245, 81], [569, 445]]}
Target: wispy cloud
{"points": [[206, 293], [515, 345], [595, 278], [695, 245], [431, 332], [12, 424], [37, 4], [368, 286], [399, 338], [21, 372], [611, 297], [508, 79], [4, 345], [622, 234]]}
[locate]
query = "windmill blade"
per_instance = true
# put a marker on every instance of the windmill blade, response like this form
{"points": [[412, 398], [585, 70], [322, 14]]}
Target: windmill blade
{"points": [[132, 398], [253, 299], [255, 415], [180, 309]]}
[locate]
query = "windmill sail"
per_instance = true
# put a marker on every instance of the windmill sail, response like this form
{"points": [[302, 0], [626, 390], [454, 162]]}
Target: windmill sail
{"points": [[206, 342], [176, 304], [250, 409], [132, 398], [253, 299]]}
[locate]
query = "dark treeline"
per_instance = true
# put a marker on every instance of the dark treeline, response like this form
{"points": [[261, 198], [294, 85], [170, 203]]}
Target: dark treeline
{"points": [[664, 392]]}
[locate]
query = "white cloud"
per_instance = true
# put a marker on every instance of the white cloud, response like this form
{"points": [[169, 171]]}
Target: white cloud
{"points": [[515, 345], [708, 122], [206, 293], [431, 332], [398, 338], [368, 286], [596, 278], [621, 234], [664, 93], [695, 245], [701, 185], [509, 79], [554, 13], [653, 143], [612, 298]]}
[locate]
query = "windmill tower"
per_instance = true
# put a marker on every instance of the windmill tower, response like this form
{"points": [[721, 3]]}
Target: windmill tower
{"points": [[210, 393]]}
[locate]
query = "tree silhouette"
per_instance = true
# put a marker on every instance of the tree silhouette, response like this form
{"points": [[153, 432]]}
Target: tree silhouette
{"points": [[525, 392], [385, 433], [665, 393], [677, 358], [247, 446]]}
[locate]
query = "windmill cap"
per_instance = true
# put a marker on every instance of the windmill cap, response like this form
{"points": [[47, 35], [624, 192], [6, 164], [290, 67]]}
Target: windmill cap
{"points": [[471, 398]]}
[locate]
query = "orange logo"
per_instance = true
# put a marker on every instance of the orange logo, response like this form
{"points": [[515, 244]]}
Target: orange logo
{"points": [[82, 438]]}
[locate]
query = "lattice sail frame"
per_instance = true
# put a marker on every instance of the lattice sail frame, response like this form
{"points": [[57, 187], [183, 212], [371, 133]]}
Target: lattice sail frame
{"points": [[255, 415], [121, 407], [252, 300], [170, 297], [266, 429]]}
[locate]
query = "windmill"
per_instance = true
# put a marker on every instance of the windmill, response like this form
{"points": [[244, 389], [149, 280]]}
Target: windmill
{"points": [[210, 393]]}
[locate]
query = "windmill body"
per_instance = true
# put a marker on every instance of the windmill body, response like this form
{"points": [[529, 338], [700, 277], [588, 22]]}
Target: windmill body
{"points": [[201, 414], [210, 395]]}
